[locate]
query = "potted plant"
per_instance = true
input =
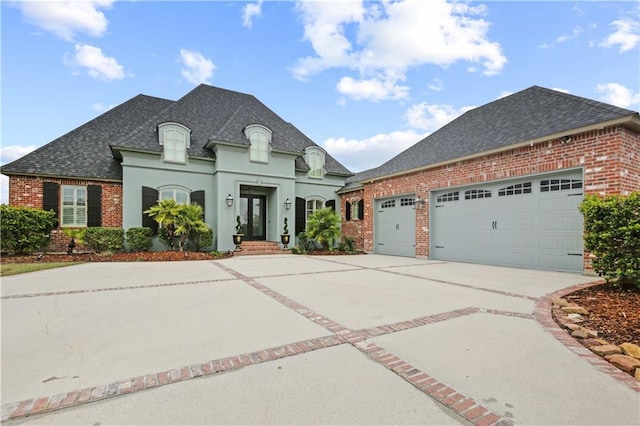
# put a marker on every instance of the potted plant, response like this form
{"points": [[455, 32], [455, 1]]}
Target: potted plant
{"points": [[284, 237], [237, 237]]}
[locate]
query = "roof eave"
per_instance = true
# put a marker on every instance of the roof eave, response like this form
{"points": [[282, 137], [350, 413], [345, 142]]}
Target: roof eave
{"points": [[51, 176]]}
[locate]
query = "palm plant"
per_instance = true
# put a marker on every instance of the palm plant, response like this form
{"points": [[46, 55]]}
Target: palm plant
{"points": [[189, 222], [324, 227], [166, 213]]}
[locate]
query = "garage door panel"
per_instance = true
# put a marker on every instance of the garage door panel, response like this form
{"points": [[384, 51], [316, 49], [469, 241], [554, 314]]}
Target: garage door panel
{"points": [[394, 225], [531, 222]]}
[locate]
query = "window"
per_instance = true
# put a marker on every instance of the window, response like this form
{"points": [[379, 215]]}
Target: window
{"points": [[260, 138], [407, 202], [180, 196], [518, 189], [388, 204], [450, 196], [473, 194], [74, 206], [175, 138], [355, 210], [313, 205], [315, 159], [559, 184]]}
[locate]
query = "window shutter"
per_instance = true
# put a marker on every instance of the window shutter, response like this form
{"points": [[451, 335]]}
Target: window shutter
{"points": [[197, 197], [94, 205], [347, 212], [361, 209], [149, 199], [301, 212], [50, 199], [331, 204]]}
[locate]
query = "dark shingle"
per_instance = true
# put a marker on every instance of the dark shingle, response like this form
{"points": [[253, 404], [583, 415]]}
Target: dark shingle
{"points": [[527, 115]]}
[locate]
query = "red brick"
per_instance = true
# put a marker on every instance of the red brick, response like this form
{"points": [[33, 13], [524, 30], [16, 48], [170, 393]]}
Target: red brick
{"points": [[40, 405], [69, 399], [487, 419], [463, 405], [474, 412]]}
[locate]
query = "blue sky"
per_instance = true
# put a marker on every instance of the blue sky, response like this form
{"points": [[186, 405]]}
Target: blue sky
{"points": [[365, 80]]}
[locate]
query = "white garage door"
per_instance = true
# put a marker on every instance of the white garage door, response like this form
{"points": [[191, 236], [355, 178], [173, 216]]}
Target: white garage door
{"points": [[395, 226], [531, 222]]}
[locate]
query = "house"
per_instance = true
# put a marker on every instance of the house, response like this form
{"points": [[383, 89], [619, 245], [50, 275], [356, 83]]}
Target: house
{"points": [[499, 185], [221, 149]]}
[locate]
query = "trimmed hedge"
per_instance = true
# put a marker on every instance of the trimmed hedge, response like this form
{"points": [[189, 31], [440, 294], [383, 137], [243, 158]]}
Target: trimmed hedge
{"points": [[102, 240], [612, 235], [24, 229], [201, 241], [139, 239]]}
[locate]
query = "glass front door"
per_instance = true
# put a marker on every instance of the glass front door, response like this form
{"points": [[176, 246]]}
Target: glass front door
{"points": [[253, 216]]}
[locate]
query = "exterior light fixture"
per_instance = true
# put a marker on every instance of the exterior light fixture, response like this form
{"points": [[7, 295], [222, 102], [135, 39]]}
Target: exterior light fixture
{"points": [[229, 200], [419, 203], [287, 204]]}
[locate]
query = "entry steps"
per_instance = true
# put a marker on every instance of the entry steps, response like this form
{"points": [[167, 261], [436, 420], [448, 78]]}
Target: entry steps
{"points": [[248, 248]]}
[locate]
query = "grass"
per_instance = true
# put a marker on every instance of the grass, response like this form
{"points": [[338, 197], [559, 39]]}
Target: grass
{"points": [[21, 268]]}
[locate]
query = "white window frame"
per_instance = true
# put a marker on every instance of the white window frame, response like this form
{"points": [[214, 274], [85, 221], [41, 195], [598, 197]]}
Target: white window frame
{"points": [[311, 206], [260, 138], [74, 206], [176, 193], [315, 158], [175, 138]]}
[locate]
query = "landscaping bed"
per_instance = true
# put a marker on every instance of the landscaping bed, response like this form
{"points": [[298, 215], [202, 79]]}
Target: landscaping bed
{"points": [[146, 256]]}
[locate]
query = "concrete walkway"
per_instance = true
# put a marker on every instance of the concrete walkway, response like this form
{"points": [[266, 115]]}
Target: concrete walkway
{"points": [[299, 340]]}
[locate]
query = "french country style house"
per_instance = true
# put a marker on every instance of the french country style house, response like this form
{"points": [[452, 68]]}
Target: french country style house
{"points": [[221, 149]]}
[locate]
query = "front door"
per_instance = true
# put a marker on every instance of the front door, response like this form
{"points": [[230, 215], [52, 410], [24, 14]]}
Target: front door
{"points": [[253, 216]]}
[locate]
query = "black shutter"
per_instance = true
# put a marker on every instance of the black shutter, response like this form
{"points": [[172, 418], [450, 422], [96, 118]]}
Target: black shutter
{"points": [[94, 205], [347, 211], [197, 197], [50, 199], [301, 210], [331, 204], [361, 209], [149, 199]]}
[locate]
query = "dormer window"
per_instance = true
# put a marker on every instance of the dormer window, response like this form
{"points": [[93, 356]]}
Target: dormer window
{"points": [[260, 138], [175, 139], [315, 159]]}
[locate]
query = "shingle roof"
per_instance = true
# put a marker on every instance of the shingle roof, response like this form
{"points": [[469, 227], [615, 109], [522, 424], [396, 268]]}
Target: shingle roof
{"points": [[212, 114], [84, 152], [533, 113]]}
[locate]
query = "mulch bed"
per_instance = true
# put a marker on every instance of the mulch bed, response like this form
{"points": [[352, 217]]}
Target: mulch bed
{"points": [[149, 256], [613, 313]]}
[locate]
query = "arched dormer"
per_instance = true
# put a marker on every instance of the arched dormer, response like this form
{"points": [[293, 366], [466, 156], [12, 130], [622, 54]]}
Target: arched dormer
{"points": [[260, 137], [315, 158], [175, 139]]}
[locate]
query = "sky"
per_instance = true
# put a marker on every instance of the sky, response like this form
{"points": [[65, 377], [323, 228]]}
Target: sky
{"points": [[363, 79]]}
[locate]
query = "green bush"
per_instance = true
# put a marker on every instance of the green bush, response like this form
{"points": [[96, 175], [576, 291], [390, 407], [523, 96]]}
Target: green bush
{"points": [[612, 235], [323, 226], [348, 245], [24, 229], [201, 241], [102, 240], [139, 239]]}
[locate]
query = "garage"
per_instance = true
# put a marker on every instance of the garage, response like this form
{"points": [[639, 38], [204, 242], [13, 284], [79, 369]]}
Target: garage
{"points": [[530, 222], [395, 226]]}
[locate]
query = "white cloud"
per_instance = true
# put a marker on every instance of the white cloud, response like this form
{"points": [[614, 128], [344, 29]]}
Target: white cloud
{"points": [[97, 64], [391, 37], [364, 154], [626, 35], [102, 107], [574, 34], [372, 89], [618, 95], [250, 11], [4, 189], [196, 68], [431, 117], [67, 18]]}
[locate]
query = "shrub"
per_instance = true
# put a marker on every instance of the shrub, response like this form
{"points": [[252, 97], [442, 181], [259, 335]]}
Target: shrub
{"points": [[202, 240], [348, 245], [612, 235], [324, 227], [24, 229], [102, 240], [139, 239]]}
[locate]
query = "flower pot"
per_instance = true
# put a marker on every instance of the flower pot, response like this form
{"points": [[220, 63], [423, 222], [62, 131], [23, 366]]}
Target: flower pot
{"points": [[284, 239], [237, 240]]}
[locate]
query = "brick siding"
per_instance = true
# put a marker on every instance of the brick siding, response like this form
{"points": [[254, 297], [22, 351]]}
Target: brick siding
{"points": [[27, 191], [610, 159]]}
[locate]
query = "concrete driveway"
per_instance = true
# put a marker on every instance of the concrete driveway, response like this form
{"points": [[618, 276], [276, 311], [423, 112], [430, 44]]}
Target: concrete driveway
{"points": [[299, 340]]}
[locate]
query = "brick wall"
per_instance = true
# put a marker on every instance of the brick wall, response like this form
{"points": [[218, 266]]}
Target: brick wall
{"points": [[354, 227], [609, 157], [27, 191]]}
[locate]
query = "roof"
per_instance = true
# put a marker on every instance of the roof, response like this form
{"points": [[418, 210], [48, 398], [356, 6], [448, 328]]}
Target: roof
{"points": [[524, 116], [84, 152], [213, 115]]}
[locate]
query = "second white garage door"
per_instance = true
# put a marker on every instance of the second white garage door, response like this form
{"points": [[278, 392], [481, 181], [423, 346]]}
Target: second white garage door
{"points": [[395, 226], [531, 222]]}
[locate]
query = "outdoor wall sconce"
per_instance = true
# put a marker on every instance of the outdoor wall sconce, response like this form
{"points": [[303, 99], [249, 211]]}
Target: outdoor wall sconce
{"points": [[229, 200], [287, 204], [419, 203]]}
